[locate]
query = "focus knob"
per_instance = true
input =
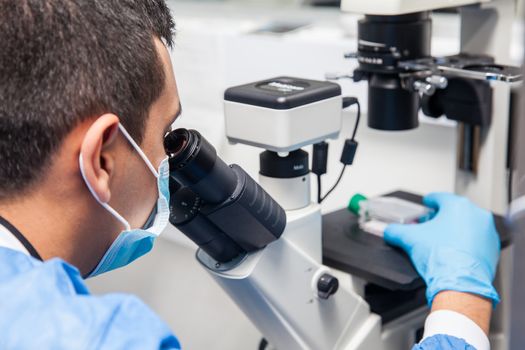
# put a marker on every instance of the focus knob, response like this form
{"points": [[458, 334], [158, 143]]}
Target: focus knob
{"points": [[327, 286], [184, 206]]}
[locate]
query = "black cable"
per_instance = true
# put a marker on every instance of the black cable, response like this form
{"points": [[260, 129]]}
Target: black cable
{"points": [[335, 185], [357, 119], [263, 344], [319, 195], [349, 150], [320, 164], [510, 193]]}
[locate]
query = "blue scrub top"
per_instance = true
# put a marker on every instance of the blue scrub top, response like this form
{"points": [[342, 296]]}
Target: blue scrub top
{"points": [[46, 305]]}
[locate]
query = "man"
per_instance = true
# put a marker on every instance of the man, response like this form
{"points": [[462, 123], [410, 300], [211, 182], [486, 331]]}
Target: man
{"points": [[87, 93]]}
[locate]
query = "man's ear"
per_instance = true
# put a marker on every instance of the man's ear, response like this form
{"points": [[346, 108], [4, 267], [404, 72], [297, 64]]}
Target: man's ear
{"points": [[97, 164]]}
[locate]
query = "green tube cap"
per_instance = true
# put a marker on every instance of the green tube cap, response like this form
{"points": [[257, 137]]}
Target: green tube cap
{"points": [[355, 201]]}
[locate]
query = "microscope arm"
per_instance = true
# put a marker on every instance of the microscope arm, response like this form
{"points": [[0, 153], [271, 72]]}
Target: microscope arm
{"points": [[277, 288]]}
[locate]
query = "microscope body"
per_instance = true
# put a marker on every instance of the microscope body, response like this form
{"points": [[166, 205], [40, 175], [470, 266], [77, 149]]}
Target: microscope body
{"points": [[472, 88], [283, 286], [394, 56], [277, 290], [295, 300]]}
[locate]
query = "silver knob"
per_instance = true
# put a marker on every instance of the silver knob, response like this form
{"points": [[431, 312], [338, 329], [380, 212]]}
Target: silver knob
{"points": [[438, 81], [337, 76], [424, 88]]}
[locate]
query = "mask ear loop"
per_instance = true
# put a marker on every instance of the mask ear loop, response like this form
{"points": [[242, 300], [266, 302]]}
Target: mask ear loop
{"points": [[139, 150], [104, 205]]}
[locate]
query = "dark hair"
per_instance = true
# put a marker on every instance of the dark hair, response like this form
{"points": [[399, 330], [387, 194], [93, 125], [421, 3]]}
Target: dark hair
{"points": [[64, 61]]}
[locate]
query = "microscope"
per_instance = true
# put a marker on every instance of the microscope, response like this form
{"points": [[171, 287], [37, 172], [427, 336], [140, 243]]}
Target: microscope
{"points": [[272, 262], [309, 281], [472, 88], [394, 44]]}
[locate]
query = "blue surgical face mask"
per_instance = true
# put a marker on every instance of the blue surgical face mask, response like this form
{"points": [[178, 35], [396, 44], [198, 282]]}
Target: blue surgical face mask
{"points": [[134, 243]]}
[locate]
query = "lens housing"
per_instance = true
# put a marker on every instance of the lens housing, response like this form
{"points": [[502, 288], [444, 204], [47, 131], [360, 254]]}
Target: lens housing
{"points": [[194, 164], [219, 207], [384, 41]]}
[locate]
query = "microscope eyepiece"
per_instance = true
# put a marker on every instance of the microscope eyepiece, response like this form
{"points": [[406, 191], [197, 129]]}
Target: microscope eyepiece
{"points": [[176, 141], [194, 163], [220, 207]]}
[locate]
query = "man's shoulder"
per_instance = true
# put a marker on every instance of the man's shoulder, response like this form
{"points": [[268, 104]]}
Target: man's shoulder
{"points": [[50, 301], [54, 275]]}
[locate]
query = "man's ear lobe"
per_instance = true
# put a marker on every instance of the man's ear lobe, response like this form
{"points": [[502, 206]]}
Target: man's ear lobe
{"points": [[97, 164]]}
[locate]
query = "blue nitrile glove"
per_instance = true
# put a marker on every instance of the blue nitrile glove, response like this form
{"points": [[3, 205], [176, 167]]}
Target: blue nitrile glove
{"points": [[457, 250]]}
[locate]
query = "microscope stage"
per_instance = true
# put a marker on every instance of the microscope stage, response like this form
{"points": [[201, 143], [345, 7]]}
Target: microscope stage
{"points": [[394, 286], [348, 248]]}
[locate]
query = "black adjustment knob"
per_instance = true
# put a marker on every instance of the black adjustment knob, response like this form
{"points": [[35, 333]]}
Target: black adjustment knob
{"points": [[184, 206], [327, 285]]}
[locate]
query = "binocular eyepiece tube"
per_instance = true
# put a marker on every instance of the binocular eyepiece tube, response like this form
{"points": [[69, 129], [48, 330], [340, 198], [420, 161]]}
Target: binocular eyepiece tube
{"points": [[196, 165], [220, 207]]}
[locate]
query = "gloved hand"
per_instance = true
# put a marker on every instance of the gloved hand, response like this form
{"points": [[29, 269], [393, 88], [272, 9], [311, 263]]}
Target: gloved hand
{"points": [[457, 250]]}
